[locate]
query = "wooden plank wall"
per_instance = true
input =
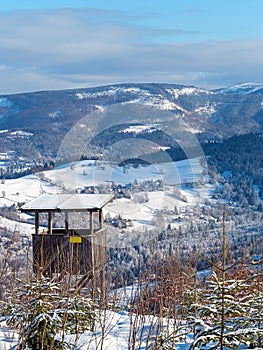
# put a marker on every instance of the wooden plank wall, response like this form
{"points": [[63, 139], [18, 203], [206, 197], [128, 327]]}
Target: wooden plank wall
{"points": [[55, 254]]}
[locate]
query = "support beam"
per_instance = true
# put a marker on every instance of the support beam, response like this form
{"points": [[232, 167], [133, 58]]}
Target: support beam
{"points": [[100, 218], [102, 288], [50, 222], [66, 222], [91, 222], [36, 222]]}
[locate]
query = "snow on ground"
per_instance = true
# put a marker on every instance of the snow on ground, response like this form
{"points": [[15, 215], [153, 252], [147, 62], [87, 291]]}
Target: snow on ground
{"points": [[243, 88], [8, 338], [137, 129], [117, 333], [93, 173], [16, 226], [145, 213], [142, 96], [174, 174], [114, 330], [176, 93], [23, 189]]}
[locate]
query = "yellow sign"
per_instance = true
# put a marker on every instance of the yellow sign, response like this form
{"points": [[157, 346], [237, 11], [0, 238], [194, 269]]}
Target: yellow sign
{"points": [[75, 239]]}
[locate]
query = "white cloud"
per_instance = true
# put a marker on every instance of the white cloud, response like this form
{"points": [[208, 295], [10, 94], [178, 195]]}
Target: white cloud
{"points": [[73, 48]]}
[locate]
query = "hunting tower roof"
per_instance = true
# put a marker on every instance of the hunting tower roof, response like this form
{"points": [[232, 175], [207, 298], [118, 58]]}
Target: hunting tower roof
{"points": [[67, 202]]}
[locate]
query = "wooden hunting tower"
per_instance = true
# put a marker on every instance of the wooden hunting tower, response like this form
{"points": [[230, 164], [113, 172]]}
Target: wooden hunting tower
{"points": [[70, 248]]}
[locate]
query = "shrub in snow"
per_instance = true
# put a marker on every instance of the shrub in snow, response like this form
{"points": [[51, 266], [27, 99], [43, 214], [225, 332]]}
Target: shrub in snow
{"points": [[229, 314], [40, 314], [227, 311]]}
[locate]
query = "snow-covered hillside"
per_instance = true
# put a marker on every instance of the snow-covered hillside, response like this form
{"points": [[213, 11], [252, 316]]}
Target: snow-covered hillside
{"points": [[148, 188], [243, 88], [211, 114], [139, 96], [187, 91], [21, 190], [92, 173]]}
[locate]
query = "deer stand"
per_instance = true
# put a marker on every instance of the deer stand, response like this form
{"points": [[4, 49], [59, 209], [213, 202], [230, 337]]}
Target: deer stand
{"points": [[78, 253]]}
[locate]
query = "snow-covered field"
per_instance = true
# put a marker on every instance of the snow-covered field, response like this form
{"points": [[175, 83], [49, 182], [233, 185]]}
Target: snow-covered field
{"points": [[92, 173], [76, 176], [22, 190], [173, 175]]}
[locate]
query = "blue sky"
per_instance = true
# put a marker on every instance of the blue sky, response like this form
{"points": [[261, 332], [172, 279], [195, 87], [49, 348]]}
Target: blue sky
{"points": [[81, 43]]}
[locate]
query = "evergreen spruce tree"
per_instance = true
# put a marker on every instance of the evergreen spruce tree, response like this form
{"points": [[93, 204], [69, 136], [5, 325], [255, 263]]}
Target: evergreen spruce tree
{"points": [[230, 312], [227, 310], [41, 314]]}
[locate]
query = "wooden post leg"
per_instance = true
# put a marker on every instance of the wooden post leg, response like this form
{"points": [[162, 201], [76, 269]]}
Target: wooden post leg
{"points": [[94, 286], [102, 288], [50, 222], [66, 222], [36, 222], [100, 219], [91, 222]]}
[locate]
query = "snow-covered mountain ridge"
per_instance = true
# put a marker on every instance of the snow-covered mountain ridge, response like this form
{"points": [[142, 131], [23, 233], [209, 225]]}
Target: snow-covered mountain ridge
{"points": [[243, 88], [49, 115]]}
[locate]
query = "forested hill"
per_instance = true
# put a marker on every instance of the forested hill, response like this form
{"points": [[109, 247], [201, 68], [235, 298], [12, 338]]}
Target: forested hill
{"points": [[239, 161], [32, 125]]}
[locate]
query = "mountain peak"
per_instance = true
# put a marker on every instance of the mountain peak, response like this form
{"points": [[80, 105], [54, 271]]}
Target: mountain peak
{"points": [[242, 88]]}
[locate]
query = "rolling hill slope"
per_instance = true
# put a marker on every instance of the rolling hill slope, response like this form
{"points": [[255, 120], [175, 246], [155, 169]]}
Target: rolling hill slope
{"points": [[32, 125]]}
